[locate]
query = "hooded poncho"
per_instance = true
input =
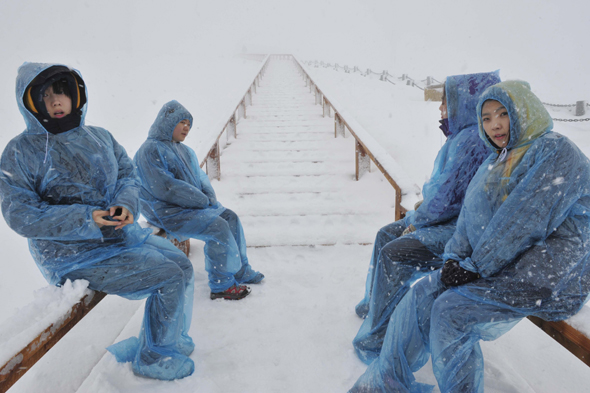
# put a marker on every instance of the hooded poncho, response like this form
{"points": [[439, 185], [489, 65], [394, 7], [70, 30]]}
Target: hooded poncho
{"points": [[50, 185]]}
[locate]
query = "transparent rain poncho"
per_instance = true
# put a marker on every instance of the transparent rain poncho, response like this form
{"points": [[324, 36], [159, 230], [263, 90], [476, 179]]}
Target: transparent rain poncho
{"points": [[50, 184], [177, 196], [388, 278], [525, 228]]}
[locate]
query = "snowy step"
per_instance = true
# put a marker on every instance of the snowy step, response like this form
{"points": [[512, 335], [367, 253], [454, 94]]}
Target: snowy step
{"points": [[329, 229], [285, 168], [309, 203], [304, 134], [253, 155]]}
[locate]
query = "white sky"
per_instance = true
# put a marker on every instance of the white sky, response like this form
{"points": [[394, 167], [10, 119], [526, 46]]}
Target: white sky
{"points": [[544, 42]]}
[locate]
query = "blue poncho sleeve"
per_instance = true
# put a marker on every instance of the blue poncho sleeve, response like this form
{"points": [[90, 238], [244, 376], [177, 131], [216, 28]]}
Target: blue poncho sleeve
{"points": [[28, 215], [545, 190], [454, 167], [128, 184], [161, 182]]}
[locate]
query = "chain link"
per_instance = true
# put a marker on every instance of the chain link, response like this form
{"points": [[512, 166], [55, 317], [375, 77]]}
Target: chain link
{"points": [[571, 120], [558, 105]]}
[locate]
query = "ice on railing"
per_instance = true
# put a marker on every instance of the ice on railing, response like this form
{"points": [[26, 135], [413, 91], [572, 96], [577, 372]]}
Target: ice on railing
{"points": [[50, 306]]}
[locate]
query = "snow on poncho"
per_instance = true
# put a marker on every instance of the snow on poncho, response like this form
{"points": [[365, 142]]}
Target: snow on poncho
{"points": [[50, 185], [531, 200], [456, 162], [174, 188]]}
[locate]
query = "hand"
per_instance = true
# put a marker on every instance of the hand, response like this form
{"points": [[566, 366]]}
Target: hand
{"points": [[124, 218], [452, 274], [417, 204], [408, 230]]}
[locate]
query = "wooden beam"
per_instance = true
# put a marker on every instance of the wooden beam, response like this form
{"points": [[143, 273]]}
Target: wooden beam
{"points": [[20, 363], [570, 338]]}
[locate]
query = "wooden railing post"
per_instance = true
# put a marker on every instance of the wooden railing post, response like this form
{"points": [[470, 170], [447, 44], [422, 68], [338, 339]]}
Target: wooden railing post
{"points": [[213, 163], [231, 128], [362, 160], [248, 98], [253, 88], [339, 127], [326, 107], [242, 110], [318, 96]]}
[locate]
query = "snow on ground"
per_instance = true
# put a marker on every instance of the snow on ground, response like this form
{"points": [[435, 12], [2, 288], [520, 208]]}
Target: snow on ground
{"points": [[293, 334]]}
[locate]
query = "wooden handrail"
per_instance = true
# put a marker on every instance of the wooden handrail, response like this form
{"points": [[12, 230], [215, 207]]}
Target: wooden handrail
{"points": [[364, 155], [21, 362], [239, 111]]}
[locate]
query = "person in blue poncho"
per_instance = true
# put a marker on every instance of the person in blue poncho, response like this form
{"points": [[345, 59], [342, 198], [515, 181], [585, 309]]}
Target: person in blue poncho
{"points": [[522, 247], [176, 196], [71, 189], [412, 247]]}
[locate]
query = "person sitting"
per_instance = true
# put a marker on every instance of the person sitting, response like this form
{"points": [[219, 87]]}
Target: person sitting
{"points": [[177, 196], [412, 247], [522, 247], [71, 189]]}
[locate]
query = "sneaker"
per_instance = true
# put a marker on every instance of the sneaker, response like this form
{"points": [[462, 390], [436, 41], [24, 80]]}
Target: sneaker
{"points": [[232, 293]]}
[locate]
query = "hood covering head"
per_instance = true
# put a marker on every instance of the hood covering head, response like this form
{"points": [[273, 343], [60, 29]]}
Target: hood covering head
{"points": [[462, 94], [528, 121], [528, 117], [32, 81], [169, 116]]}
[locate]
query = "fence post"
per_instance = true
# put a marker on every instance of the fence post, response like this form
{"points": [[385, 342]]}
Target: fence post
{"points": [[231, 129], [362, 161], [318, 96], [213, 163], [326, 108], [253, 88], [339, 128], [242, 110], [248, 98], [580, 108]]}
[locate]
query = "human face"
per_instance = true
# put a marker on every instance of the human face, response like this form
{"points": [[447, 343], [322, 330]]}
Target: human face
{"points": [[443, 108], [58, 104], [181, 130], [496, 122]]}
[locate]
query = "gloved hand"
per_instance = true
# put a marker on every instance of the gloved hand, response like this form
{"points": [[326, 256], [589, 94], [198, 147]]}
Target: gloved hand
{"points": [[409, 229], [452, 274]]}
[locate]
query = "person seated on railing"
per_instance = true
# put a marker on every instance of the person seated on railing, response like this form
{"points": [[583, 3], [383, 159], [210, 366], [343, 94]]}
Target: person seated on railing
{"points": [[177, 196], [522, 247], [71, 189], [411, 247]]}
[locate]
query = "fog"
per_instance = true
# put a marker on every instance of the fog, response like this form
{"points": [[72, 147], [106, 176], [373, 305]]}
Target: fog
{"points": [[544, 42]]}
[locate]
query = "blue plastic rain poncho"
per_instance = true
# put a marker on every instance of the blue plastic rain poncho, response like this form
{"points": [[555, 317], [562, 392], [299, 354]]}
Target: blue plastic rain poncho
{"points": [[525, 228], [177, 196], [51, 183], [397, 263]]}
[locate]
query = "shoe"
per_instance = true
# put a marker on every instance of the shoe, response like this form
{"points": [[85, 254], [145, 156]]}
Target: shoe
{"points": [[232, 293], [166, 368], [256, 279]]}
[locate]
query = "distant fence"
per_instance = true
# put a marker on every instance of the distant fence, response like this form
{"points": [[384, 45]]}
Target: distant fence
{"points": [[433, 88]]}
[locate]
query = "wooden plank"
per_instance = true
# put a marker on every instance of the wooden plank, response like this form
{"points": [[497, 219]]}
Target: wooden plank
{"points": [[28, 356], [570, 338]]}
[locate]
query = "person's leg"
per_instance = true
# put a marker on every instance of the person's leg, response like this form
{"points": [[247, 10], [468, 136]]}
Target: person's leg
{"points": [[401, 262], [165, 247], [406, 344], [145, 272], [246, 275], [385, 235], [458, 323]]}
